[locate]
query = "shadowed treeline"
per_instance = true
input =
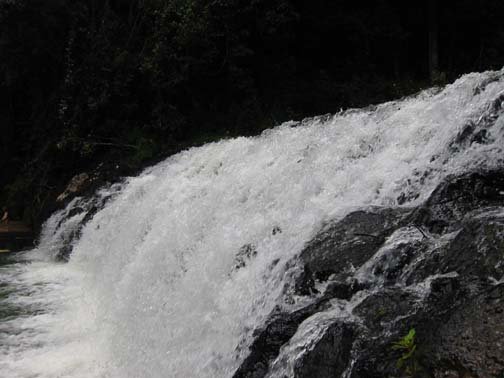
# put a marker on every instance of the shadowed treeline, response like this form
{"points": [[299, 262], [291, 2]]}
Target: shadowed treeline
{"points": [[131, 81]]}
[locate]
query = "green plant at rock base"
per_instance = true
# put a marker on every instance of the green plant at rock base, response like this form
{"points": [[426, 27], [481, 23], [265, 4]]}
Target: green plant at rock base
{"points": [[380, 313], [407, 362]]}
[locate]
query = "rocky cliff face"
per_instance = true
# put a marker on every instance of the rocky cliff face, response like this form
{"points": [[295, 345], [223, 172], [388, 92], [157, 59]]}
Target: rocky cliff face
{"points": [[371, 278]]}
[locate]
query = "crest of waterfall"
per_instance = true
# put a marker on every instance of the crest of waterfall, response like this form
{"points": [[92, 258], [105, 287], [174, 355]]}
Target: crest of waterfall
{"points": [[171, 277]]}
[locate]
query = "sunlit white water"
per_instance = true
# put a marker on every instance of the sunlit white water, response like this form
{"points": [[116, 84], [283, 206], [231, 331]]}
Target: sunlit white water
{"points": [[152, 289]]}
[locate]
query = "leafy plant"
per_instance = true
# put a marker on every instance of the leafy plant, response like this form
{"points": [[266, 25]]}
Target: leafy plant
{"points": [[407, 362]]}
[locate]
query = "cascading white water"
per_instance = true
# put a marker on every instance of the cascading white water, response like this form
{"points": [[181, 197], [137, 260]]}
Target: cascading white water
{"points": [[152, 288]]}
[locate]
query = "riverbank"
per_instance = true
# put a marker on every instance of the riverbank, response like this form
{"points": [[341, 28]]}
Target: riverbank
{"points": [[15, 236]]}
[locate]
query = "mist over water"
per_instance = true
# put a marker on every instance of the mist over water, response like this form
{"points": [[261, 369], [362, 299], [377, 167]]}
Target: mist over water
{"points": [[153, 287]]}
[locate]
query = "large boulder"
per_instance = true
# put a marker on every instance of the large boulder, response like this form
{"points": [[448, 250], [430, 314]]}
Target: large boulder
{"points": [[468, 341], [457, 196], [382, 273], [345, 245], [78, 184], [475, 251], [327, 356], [267, 343]]}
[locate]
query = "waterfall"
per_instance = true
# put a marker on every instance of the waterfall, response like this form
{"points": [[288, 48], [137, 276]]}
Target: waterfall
{"points": [[180, 266]]}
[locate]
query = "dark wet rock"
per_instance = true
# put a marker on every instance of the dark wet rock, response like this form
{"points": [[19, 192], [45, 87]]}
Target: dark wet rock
{"points": [[438, 269], [86, 184], [77, 184], [466, 134], [481, 137], [389, 315], [393, 261], [476, 252], [330, 356], [470, 134], [477, 132], [380, 310], [268, 341], [456, 288], [454, 198], [343, 290], [245, 254], [447, 302], [478, 249], [489, 80], [470, 340], [75, 211], [305, 283], [86, 208], [345, 245]]}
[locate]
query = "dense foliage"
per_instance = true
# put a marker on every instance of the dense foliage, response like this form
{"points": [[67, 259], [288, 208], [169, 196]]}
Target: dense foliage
{"points": [[131, 81]]}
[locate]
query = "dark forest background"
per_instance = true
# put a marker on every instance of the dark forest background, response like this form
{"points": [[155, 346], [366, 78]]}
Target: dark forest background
{"points": [[131, 81]]}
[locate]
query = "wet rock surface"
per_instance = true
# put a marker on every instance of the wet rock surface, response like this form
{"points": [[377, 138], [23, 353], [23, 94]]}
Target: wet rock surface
{"points": [[280, 328], [77, 184], [347, 244], [330, 355], [379, 273], [453, 199]]}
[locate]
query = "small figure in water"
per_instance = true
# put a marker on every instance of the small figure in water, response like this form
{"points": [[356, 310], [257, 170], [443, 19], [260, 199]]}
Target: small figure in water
{"points": [[5, 216]]}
